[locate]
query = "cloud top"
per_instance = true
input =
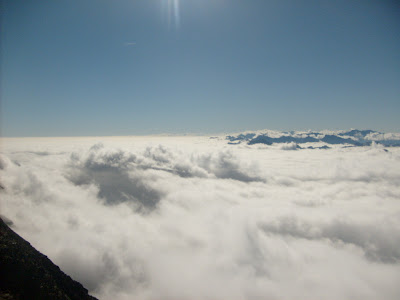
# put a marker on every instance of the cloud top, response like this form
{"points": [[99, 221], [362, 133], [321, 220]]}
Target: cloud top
{"points": [[185, 218]]}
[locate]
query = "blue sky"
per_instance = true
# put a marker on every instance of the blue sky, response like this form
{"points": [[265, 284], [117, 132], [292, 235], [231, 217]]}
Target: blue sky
{"points": [[100, 67]]}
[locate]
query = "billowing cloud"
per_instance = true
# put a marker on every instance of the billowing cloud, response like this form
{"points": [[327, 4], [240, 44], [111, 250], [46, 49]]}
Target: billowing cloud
{"points": [[197, 218], [114, 175], [377, 241], [289, 146]]}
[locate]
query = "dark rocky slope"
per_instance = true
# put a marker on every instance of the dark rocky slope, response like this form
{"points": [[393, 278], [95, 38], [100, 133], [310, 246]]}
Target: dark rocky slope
{"points": [[25, 273]]}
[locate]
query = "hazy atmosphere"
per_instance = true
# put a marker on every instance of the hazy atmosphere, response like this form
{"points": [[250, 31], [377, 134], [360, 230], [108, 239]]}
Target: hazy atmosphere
{"points": [[205, 149]]}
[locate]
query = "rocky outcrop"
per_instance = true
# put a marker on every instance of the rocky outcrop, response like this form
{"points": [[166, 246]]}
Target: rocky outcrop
{"points": [[349, 138], [25, 273]]}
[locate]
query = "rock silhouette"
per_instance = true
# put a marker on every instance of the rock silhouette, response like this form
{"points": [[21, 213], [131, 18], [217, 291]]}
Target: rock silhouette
{"points": [[25, 273]]}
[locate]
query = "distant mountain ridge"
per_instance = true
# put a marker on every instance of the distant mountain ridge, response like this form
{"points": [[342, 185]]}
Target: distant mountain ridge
{"points": [[25, 273], [352, 137]]}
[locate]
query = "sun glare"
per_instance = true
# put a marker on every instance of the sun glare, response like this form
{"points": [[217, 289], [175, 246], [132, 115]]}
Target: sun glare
{"points": [[173, 13]]}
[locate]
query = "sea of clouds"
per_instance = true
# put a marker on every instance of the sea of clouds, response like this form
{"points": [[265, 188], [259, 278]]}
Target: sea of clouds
{"points": [[197, 218]]}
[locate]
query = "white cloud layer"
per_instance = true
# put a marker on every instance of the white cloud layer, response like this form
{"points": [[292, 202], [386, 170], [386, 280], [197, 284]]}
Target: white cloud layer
{"points": [[195, 218]]}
